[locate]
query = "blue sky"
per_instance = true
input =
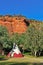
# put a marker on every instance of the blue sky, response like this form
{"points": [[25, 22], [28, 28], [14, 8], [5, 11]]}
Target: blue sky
{"points": [[32, 9]]}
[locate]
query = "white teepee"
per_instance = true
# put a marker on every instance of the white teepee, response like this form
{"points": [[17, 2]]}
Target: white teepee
{"points": [[15, 52]]}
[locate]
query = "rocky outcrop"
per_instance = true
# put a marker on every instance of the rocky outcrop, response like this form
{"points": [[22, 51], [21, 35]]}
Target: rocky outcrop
{"points": [[14, 24]]}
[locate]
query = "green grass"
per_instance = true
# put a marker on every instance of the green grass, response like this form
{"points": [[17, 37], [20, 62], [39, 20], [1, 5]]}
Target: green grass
{"points": [[10, 63], [26, 60]]}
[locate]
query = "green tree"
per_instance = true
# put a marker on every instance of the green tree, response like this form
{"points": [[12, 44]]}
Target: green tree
{"points": [[34, 38], [4, 38]]}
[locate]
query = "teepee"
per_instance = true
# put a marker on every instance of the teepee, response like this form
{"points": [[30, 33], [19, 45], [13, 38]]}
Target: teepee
{"points": [[15, 52]]}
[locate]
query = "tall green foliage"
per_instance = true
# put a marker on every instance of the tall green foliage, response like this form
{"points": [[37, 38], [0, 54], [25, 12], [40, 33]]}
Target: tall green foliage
{"points": [[4, 38], [34, 38]]}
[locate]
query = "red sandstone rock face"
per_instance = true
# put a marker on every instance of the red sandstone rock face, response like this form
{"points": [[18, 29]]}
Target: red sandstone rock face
{"points": [[14, 24]]}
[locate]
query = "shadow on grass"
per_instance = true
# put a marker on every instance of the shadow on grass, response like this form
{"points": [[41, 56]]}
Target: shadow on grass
{"points": [[10, 63], [3, 59]]}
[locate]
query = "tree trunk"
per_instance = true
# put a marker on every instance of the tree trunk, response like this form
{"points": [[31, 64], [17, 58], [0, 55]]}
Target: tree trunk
{"points": [[39, 53], [23, 50], [2, 52], [35, 53]]}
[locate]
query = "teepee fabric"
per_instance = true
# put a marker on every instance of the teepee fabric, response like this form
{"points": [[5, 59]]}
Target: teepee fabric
{"points": [[15, 52]]}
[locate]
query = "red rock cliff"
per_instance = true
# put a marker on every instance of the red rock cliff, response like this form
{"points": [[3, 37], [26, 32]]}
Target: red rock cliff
{"points": [[14, 23]]}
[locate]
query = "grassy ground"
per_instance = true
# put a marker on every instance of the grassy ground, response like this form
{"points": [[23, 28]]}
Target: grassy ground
{"points": [[26, 60]]}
